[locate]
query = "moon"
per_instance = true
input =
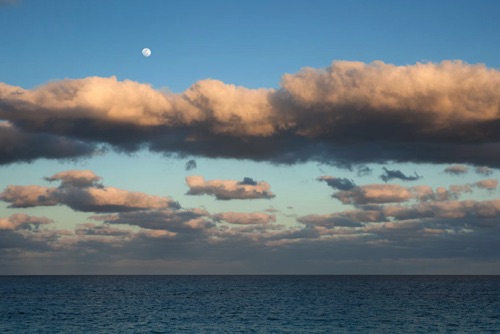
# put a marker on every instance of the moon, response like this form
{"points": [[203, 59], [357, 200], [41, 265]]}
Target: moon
{"points": [[146, 52]]}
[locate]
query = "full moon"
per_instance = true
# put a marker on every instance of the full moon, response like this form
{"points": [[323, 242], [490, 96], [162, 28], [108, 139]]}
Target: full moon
{"points": [[146, 52]]}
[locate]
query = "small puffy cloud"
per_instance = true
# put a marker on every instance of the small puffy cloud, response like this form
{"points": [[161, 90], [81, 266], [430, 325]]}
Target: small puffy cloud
{"points": [[363, 170], [21, 221], [483, 170], [489, 184], [399, 175], [190, 165], [77, 178], [374, 193], [338, 182], [245, 218], [29, 196], [229, 189], [456, 169]]}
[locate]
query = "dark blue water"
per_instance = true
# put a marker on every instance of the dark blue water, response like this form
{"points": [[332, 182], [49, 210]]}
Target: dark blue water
{"points": [[250, 304]]}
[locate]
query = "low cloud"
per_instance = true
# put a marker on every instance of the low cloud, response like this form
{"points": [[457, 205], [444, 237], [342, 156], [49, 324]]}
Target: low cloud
{"points": [[353, 218], [374, 193], [21, 221], [338, 182], [80, 191], [398, 175], [243, 218], [483, 170], [229, 189], [428, 112], [456, 170], [489, 184]]}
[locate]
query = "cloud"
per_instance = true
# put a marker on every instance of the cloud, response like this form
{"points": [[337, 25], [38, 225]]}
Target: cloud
{"points": [[175, 221], [28, 196], [348, 113], [374, 193], [18, 146], [191, 164], [80, 191], [397, 174], [456, 170], [489, 184], [353, 218], [229, 189], [76, 178], [338, 182], [483, 170], [21, 221], [363, 170], [245, 218]]}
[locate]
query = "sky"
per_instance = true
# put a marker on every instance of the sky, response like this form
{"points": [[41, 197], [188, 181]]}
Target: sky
{"points": [[260, 137]]}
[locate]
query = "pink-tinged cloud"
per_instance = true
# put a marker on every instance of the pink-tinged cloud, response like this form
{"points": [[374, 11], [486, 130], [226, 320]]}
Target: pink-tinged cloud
{"points": [[374, 193], [28, 196], [347, 113], [20, 221], [77, 178], [80, 192], [489, 184], [456, 170], [184, 221], [229, 189], [243, 218]]}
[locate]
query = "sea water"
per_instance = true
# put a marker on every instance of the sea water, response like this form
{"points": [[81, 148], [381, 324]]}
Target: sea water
{"points": [[250, 304]]}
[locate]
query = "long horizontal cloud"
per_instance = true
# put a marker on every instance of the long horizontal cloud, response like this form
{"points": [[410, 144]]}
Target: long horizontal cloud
{"points": [[229, 189], [395, 193], [244, 218], [350, 112], [80, 191]]}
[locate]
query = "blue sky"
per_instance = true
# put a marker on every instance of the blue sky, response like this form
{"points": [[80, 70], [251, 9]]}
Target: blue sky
{"points": [[225, 86]]}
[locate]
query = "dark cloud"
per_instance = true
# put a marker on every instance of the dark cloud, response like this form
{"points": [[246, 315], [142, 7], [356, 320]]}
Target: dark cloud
{"points": [[191, 164], [363, 171], [397, 174], [338, 182], [483, 170], [248, 181], [331, 115], [19, 146]]}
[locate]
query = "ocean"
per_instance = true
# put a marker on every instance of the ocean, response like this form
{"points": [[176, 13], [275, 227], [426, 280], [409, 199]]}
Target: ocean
{"points": [[249, 304]]}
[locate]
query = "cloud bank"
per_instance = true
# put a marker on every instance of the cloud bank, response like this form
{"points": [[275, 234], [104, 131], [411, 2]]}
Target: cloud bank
{"points": [[348, 113], [384, 224]]}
